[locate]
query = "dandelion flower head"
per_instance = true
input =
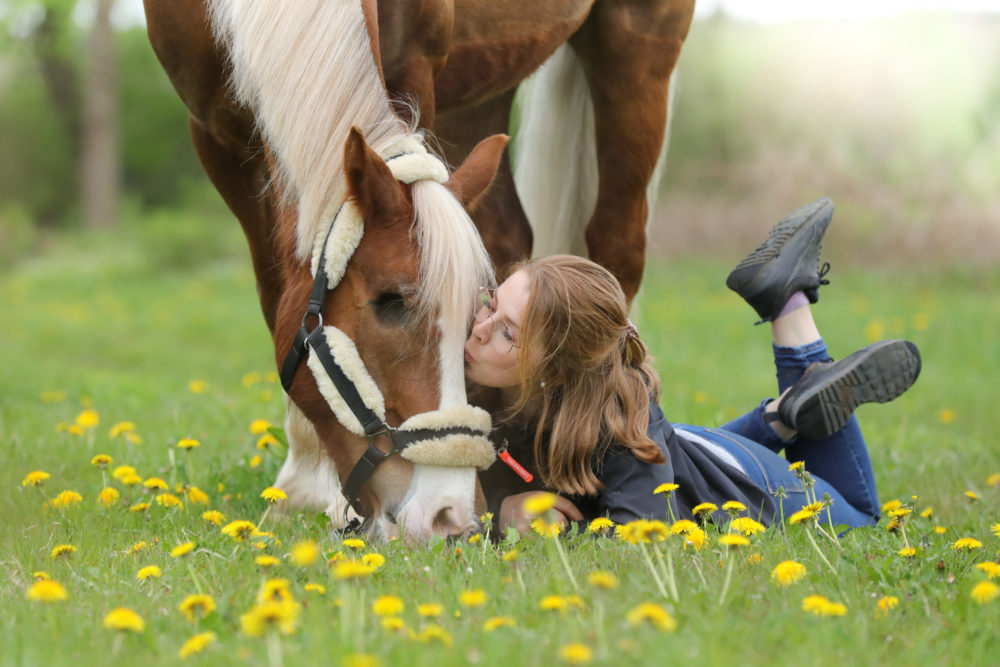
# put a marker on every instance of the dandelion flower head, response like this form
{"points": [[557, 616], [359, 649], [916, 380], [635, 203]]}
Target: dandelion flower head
{"points": [[197, 644], [123, 618]]}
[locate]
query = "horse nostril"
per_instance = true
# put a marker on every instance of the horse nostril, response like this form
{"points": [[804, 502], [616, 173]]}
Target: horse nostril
{"points": [[446, 522]]}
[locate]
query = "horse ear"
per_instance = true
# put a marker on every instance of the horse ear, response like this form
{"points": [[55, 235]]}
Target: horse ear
{"points": [[374, 189], [469, 182]]}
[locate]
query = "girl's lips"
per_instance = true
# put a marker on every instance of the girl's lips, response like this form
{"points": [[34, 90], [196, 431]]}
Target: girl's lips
{"points": [[468, 357]]}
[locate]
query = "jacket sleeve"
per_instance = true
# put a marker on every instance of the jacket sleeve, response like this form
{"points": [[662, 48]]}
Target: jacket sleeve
{"points": [[627, 493]]}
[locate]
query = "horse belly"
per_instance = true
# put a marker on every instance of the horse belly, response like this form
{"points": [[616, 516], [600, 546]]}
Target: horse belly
{"points": [[495, 46]]}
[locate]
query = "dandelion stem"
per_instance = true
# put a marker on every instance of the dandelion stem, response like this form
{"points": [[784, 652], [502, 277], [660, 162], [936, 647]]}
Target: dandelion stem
{"points": [[812, 541], [273, 648], [194, 577], [652, 570], [729, 576], [520, 581], [263, 516], [668, 571], [565, 562]]}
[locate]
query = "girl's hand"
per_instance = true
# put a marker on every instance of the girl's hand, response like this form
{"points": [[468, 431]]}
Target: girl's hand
{"points": [[512, 512]]}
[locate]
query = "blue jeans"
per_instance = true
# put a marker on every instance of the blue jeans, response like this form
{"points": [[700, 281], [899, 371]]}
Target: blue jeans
{"points": [[839, 463]]}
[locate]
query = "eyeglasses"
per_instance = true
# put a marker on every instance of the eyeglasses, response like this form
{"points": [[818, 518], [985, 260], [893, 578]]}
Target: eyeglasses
{"points": [[501, 333]]}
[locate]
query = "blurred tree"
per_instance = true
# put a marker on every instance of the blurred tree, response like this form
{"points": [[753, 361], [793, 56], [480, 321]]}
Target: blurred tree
{"points": [[100, 170]]}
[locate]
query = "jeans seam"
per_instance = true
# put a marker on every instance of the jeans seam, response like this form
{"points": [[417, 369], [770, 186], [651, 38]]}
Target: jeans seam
{"points": [[771, 489]]}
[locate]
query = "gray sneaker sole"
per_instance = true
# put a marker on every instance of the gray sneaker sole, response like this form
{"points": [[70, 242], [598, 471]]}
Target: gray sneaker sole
{"points": [[878, 373]]}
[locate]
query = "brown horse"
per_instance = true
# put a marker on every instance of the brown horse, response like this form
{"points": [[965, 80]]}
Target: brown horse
{"points": [[360, 242], [267, 100]]}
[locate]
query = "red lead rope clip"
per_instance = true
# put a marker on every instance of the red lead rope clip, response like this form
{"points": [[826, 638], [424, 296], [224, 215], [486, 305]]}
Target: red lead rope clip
{"points": [[514, 465]]}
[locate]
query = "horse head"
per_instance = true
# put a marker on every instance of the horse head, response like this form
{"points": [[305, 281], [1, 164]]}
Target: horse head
{"points": [[400, 263]]}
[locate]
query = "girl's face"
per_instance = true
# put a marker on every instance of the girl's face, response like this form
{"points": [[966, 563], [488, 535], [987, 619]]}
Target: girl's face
{"points": [[491, 351]]}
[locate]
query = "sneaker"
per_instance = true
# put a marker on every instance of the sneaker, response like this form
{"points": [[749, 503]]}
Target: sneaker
{"points": [[826, 395], [785, 263]]}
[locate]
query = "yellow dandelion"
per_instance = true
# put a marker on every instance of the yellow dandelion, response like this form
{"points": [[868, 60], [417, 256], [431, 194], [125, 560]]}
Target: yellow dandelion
{"points": [[75, 429], [41, 575], [266, 561], [985, 591], [576, 654], [666, 488], [123, 618], [820, 606], [472, 598], [272, 494], [928, 511], [360, 660], [354, 543], [35, 478], [993, 479], [62, 551], [653, 614], [886, 604], [122, 471], [131, 479], [682, 526], [539, 503], [374, 561], [46, 590], [940, 530], [907, 552], [430, 609], [137, 547], [798, 466], [196, 606], [696, 537], [318, 589], [214, 516], [704, 508], [282, 616], [139, 507], [155, 484], [733, 506], [732, 540], [197, 386], [240, 530], [946, 415], [546, 528], [393, 623], [552, 603], [388, 605], [108, 496], [101, 461], [255, 461], [995, 529], [169, 500], [434, 633], [967, 543], [182, 549], [196, 495], [66, 498], [150, 571], [274, 590], [197, 644], [972, 495], [304, 554], [787, 572], [603, 580], [188, 443], [351, 569], [121, 428], [801, 516], [600, 525], [754, 558], [497, 622], [990, 568], [52, 396], [89, 418], [267, 441], [510, 556], [259, 426], [747, 526], [700, 396]]}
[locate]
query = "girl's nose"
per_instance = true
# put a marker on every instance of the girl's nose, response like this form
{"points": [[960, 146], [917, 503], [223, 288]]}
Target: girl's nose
{"points": [[481, 330]]}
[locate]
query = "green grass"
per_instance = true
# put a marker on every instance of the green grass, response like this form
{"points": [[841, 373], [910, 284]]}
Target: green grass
{"points": [[96, 321]]}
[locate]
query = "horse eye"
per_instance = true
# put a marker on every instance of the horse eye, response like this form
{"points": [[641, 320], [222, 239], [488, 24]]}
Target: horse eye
{"points": [[390, 309]]}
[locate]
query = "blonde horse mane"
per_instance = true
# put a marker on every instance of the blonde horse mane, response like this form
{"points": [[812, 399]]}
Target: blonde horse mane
{"points": [[306, 70]]}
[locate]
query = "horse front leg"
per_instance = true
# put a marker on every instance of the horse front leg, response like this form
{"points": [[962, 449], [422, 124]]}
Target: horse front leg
{"points": [[628, 49]]}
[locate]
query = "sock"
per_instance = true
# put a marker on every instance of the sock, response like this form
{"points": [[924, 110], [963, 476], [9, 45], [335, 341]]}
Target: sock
{"points": [[797, 300]]}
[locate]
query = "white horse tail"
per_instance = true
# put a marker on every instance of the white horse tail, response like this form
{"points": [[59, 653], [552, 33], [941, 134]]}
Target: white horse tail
{"points": [[555, 154]]}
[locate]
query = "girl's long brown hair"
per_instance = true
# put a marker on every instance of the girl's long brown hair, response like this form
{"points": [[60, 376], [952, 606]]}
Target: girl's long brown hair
{"points": [[585, 377]]}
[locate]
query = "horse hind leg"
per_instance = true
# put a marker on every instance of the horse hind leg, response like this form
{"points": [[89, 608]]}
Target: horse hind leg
{"points": [[629, 50]]}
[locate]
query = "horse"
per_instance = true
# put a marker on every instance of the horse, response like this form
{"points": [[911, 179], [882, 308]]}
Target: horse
{"points": [[367, 262], [458, 64]]}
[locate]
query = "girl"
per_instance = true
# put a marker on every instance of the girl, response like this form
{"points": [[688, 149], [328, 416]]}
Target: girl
{"points": [[580, 406]]}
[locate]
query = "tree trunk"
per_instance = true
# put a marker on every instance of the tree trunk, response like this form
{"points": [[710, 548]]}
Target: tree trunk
{"points": [[100, 161]]}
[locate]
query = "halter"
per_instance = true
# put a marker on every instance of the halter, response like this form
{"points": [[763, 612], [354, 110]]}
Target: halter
{"points": [[449, 437]]}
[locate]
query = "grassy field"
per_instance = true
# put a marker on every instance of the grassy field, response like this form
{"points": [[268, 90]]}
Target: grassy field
{"points": [[96, 323]]}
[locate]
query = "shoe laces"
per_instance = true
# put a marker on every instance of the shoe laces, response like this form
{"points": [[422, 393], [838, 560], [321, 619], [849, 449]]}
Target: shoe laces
{"points": [[823, 270]]}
